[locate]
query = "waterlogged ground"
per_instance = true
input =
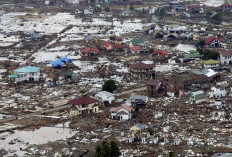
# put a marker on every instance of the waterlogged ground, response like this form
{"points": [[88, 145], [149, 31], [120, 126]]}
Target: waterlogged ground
{"points": [[19, 140]]}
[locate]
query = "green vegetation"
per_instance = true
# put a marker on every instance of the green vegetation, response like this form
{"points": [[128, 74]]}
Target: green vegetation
{"points": [[151, 50], [132, 8], [98, 45], [217, 18], [112, 38], [171, 154], [193, 51], [107, 149], [208, 54], [162, 13], [201, 43], [208, 13], [107, 9], [109, 86]]}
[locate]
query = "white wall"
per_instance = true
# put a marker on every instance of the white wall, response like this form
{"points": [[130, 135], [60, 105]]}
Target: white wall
{"points": [[27, 76], [217, 92]]}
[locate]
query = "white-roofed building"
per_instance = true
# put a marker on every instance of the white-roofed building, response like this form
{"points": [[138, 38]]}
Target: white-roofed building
{"points": [[105, 97]]}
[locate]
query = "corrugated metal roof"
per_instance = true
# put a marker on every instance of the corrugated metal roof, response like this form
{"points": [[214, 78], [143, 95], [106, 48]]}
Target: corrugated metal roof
{"points": [[197, 93], [138, 97], [27, 69]]}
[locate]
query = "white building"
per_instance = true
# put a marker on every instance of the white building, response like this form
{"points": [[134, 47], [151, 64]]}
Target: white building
{"points": [[197, 97], [73, 1], [225, 57], [211, 64], [88, 11], [105, 97], [121, 113], [217, 92], [84, 10], [218, 103], [177, 141], [152, 10], [27, 73]]}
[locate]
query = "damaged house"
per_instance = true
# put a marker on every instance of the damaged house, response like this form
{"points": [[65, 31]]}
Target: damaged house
{"points": [[80, 10], [89, 52], [112, 46], [225, 57], [225, 8], [217, 92], [197, 97], [194, 8], [138, 131], [178, 82], [138, 100], [53, 80], [105, 97], [215, 42], [142, 70], [32, 35], [121, 113], [156, 88], [211, 63], [160, 54], [83, 105], [27, 73]]}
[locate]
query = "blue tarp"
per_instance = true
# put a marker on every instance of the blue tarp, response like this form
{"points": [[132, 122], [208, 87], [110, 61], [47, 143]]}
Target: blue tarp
{"points": [[57, 63], [66, 60]]}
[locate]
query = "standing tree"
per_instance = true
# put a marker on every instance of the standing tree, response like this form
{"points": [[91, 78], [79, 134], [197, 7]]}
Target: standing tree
{"points": [[161, 13], [98, 45], [171, 154], [107, 149], [109, 86], [107, 9], [201, 43], [217, 18], [115, 152], [151, 50], [132, 8], [99, 151], [112, 38]]}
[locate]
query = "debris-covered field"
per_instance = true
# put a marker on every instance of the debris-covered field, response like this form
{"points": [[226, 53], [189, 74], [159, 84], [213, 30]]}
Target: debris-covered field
{"points": [[152, 76]]}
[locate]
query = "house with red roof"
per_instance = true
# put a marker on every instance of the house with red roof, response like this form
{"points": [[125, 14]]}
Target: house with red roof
{"points": [[215, 42], [136, 49], [108, 46], [121, 113], [194, 8], [225, 57], [226, 8], [142, 70], [156, 88], [83, 105], [89, 51], [160, 54]]}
